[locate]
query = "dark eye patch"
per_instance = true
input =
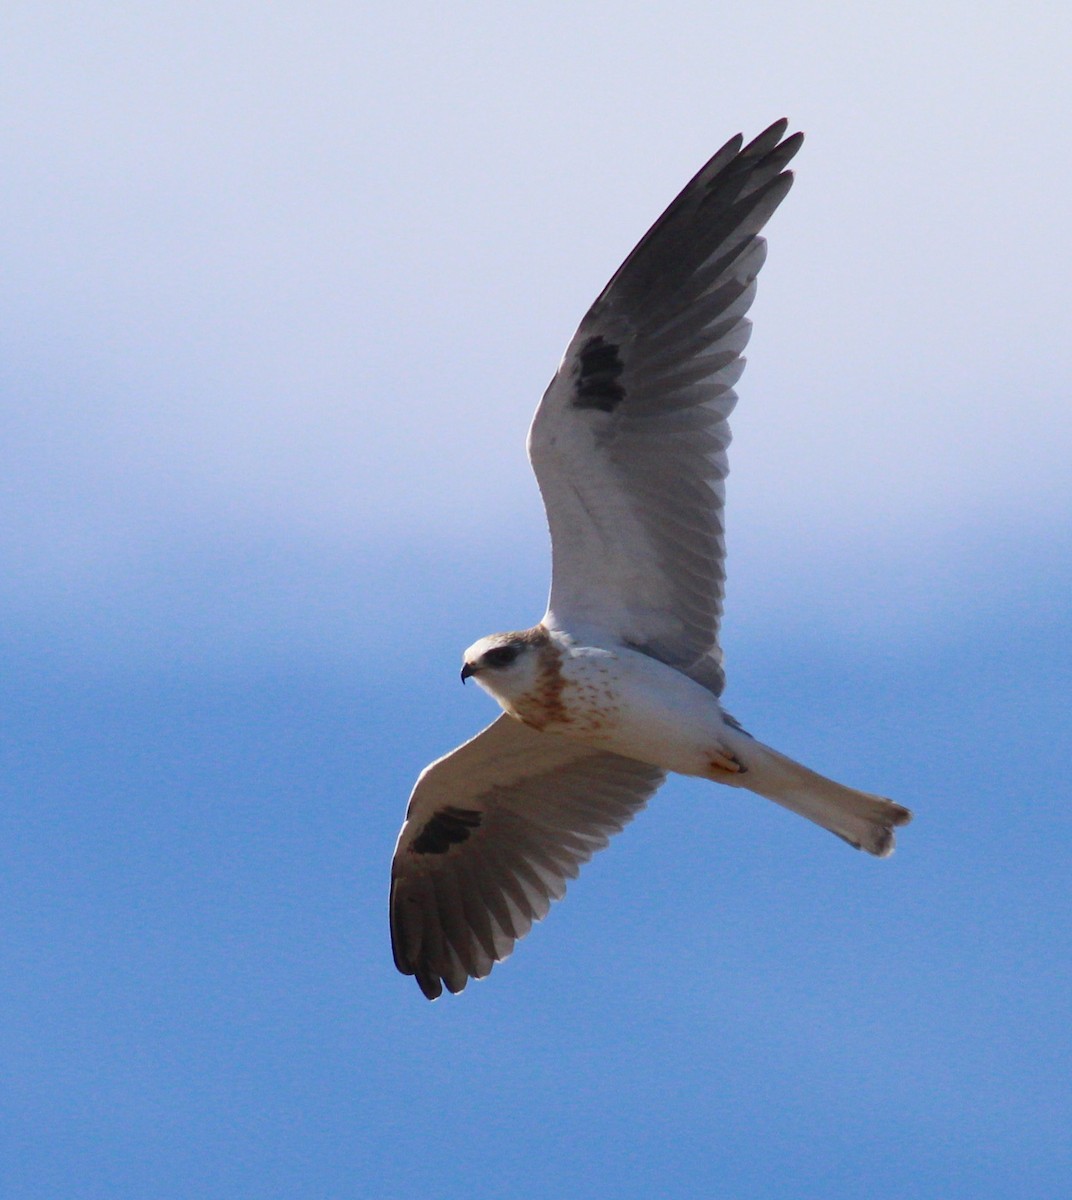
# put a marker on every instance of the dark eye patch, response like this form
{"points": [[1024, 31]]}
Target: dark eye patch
{"points": [[501, 656]]}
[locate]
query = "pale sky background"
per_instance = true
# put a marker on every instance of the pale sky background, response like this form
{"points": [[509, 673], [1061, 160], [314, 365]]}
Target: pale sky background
{"points": [[282, 286]]}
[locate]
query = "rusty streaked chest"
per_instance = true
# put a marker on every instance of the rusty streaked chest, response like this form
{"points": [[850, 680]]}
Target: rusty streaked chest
{"points": [[573, 693]]}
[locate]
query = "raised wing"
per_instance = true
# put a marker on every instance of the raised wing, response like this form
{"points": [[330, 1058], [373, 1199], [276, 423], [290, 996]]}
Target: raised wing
{"points": [[492, 833], [629, 442]]}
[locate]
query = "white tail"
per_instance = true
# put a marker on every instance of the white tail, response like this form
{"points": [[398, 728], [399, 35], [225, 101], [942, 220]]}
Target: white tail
{"points": [[864, 821]]}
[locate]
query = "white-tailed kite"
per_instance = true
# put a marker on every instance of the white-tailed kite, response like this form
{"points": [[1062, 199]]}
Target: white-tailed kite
{"points": [[620, 681]]}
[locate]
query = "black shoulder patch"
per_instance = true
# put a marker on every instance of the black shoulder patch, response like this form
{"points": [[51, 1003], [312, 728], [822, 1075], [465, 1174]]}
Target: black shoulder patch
{"points": [[597, 383], [444, 829]]}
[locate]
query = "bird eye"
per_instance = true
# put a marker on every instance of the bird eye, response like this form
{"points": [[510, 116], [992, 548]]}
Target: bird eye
{"points": [[501, 656]]}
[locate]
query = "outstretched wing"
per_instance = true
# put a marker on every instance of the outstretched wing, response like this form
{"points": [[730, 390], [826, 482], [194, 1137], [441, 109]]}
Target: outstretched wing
{"points": [[629, 442], [493, 831]]}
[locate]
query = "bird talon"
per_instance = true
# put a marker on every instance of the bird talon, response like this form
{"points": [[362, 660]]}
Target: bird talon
{"points": [[724, 761]]}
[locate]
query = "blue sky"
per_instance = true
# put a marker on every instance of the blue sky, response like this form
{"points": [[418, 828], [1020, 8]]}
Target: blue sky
{"points": [[282, 287]]}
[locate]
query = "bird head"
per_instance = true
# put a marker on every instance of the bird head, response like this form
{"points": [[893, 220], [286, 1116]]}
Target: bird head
{"points": [[505, 665]]}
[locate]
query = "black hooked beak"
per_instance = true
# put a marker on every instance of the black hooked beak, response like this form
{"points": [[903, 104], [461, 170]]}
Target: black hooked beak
{"points": [[467, 670]]}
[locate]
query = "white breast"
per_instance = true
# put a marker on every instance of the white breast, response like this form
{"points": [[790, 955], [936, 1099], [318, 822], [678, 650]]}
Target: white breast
{"points": [[632, 704]]}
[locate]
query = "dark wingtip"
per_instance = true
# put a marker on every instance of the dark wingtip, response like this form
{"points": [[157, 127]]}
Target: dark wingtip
{"points": [[430, 985], [770, 142], [769, 138]]}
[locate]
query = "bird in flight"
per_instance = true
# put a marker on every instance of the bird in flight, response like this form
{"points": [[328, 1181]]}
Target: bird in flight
{"points": [[620, 681]]}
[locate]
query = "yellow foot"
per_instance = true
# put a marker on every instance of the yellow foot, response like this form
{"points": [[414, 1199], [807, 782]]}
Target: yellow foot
{"points": [[722, 760]]}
